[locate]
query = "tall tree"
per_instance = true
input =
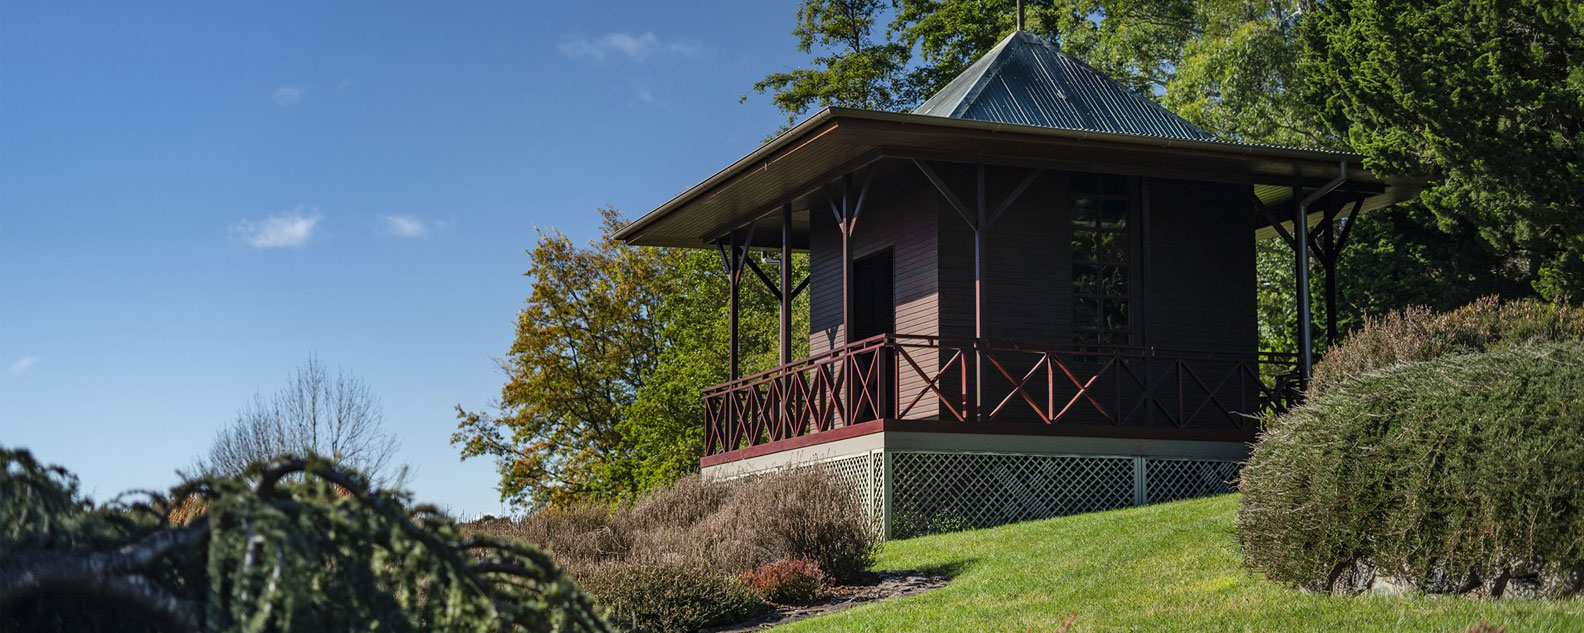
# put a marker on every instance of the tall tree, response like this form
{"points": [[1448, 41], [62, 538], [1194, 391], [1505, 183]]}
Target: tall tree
{"points": [[585, 343], [602, 399], [1484, 99], [1226, 65], [854, 65], [337, 416], [665, 422]]}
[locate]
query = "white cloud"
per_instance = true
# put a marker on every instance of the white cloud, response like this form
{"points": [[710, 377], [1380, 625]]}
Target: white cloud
{"points": [[287, 230], [22, 365], [405, 226], [288, 95], [634, 47]]}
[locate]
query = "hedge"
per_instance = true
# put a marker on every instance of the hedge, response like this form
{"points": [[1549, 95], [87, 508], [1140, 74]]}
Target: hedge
{"points": [[1457, 471]]}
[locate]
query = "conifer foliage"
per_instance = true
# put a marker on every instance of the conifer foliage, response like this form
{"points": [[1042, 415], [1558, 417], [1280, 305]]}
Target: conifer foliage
{"points": [[294, 545]]}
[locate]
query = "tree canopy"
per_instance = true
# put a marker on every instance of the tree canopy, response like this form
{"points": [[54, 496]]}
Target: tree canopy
{"points": [[601, 399], [1483, 99]]}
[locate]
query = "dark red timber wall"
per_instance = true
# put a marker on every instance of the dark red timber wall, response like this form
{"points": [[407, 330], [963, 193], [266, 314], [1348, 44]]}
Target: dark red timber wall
{"points": [[1192, 283]]}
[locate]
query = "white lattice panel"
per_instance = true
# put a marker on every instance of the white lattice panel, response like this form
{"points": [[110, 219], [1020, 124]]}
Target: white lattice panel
{"points": [[940, 492], [864, 475], [1172, 479]]}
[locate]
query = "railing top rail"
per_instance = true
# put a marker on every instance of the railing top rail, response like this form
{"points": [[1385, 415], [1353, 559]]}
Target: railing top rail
{"points": [[1025, 347], [873, 342], [1037, 347]]}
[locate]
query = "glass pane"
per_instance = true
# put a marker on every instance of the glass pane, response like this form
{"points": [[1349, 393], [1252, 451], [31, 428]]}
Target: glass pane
{"points": [[1114, 212], [1083, 246], [1114, 184], [1084, 278], [1086, 312], [1116, 338], [1114, 281], [1116, 315], [1113, 247], [1084, 208]]}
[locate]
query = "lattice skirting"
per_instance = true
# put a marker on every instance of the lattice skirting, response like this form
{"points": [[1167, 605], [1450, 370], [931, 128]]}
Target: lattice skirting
{"points": [[915, 493]]}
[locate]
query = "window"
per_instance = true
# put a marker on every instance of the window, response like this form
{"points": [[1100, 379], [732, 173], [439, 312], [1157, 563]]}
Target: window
{"points": [[1102, 257]]}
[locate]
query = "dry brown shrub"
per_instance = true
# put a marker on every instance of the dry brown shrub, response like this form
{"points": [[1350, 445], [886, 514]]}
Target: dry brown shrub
{"points": [[786, 581], [673, 559], [1416, 334], [680, 505], [573, 534], [184, 510], [796, 515], [726, 526]]}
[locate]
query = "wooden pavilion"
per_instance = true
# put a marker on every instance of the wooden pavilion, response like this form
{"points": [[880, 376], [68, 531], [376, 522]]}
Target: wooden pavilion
{"points": [[1033, 295]]}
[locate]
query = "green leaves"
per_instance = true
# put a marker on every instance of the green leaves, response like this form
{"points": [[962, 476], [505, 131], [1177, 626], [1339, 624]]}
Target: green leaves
{"points": [[613, 347], [853, 70], [586, 341], [1483, 99]]}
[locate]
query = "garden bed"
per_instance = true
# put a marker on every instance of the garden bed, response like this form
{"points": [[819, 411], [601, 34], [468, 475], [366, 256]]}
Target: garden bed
{"points": [[878, 586]]}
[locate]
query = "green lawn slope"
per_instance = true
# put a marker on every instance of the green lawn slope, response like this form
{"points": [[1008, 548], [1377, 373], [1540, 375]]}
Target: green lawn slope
{"points": [[1168, 567]]}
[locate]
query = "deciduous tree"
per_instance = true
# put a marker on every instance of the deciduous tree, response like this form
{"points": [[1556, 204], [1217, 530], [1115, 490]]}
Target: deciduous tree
{"points": [[333, 415], [586, 341], [613, 347]]}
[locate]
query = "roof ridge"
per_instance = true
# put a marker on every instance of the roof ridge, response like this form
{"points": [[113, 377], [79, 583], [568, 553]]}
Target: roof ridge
{"points": [[1027, 80], [983, 80]]}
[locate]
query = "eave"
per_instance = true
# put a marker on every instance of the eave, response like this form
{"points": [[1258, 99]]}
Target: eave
{"points": [[794, 167]]}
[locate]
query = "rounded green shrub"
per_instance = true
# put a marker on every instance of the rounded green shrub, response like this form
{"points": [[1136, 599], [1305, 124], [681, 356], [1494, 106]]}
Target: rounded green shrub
{"points": [[1453, 474]]}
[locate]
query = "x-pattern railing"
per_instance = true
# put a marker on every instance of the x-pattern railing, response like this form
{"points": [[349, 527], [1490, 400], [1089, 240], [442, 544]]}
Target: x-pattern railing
{"points": [[895, 376]]}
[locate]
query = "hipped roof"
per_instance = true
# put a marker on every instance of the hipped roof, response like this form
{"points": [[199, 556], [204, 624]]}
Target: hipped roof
{"points": [[1026, 80], [1025, 104]]}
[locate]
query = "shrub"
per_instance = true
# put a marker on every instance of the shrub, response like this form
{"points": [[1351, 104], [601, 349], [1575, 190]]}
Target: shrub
{"points": [[1463, 469], [1415, 334], [661, 598], [786, 581], [794, 515], [696, 528], [681, 504], [302, 545], [573, 534]]}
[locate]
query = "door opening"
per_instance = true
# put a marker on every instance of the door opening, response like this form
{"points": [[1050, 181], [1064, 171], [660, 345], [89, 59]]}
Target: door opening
{"points": [[874, 308]]}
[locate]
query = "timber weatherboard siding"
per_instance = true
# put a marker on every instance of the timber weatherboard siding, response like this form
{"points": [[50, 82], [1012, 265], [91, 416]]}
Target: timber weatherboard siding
{"points": [[1192, 273]]}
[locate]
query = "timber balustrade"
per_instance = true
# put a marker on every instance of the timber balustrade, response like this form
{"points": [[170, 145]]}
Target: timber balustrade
{"points": [[1087, 389]]}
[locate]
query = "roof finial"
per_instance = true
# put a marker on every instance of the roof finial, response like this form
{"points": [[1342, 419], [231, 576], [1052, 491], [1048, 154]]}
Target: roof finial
{"points": [[1019, 15]]}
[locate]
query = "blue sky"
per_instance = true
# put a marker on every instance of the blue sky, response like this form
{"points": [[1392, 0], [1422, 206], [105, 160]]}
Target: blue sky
{"points": [[194, 197]]}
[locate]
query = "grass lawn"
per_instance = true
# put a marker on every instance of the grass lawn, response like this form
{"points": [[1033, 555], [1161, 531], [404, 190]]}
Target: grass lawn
{"points": [[1169, 567]]}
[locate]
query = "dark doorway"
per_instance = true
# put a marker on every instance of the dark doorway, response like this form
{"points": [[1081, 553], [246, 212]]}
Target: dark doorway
{"points": [[874, 310]]}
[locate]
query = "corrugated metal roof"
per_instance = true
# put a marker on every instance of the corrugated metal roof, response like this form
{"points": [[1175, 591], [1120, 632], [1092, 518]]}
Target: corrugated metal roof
{"points": [[1025, 80]]}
